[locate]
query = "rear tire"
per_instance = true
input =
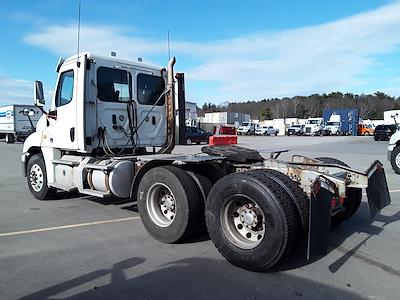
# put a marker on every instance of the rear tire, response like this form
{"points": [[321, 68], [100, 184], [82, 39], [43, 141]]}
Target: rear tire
{"points": [[169, 204], [298, 196], [37, 178], [353, 196], [395, 160], [251, 220]]}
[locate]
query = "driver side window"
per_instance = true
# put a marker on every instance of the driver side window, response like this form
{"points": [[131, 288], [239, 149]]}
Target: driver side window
{"points": [[65, 90]]}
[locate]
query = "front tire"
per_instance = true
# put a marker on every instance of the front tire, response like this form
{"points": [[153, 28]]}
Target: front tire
{"points": [[395, 160], [251, 220], [169, 204], [37, 178], [188, 141]]}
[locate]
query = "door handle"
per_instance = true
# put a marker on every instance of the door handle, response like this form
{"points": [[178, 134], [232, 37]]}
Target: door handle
{"points": [[72, 134]]}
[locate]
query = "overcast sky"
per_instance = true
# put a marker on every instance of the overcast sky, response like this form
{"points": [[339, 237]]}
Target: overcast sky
{"points": [[229, 51]]}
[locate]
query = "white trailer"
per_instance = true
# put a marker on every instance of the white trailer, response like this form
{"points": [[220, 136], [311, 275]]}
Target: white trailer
{"points": [[391, 117], [18, 121]]}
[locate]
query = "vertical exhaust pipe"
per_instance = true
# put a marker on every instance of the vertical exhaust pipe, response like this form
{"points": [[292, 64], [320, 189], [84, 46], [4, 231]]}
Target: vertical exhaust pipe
{"points": [[170, 109]]}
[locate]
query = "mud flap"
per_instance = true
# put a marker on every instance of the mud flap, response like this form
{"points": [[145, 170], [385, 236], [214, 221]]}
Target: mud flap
{"points": [[319, 218], [377, 190]]}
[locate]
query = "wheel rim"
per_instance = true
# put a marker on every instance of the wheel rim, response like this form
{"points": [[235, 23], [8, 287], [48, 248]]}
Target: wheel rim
{"points": [[188, 141], [161, 205], [36, 177], [243, 222], [397, 160]]}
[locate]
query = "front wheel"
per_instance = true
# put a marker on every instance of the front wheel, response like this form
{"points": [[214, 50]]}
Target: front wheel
{"points": [[37, 178], [188, 141], [395, 159]]}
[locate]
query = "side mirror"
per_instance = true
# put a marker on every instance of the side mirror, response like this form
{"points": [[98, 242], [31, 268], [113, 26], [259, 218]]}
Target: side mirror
{"points": [[38, 92]]}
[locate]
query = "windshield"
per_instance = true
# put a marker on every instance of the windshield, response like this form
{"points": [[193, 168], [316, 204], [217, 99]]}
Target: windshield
{"points": [[313, 122], [296, 126], [333, 123], [245, 124]]}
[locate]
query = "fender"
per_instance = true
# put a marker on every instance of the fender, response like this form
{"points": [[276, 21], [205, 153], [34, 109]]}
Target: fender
{"points": [[143, 170]]}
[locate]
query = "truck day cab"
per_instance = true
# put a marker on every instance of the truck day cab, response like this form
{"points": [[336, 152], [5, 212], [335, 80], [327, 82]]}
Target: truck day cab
{"points": [[110, 133], [333, 126], [314, 126], [247, 128]]}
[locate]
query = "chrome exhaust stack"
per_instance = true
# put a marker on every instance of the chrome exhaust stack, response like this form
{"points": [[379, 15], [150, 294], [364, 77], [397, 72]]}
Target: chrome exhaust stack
{"points": [[170, 109]]}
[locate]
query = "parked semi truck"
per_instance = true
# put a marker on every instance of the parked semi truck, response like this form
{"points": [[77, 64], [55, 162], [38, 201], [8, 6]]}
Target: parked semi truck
{"points": [[333, 126], [18, 121], [110, 133], [314, 126]]}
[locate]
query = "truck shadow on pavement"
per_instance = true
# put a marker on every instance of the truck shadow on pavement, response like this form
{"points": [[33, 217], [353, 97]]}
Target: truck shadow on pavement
{"points": [[190, 278], [359, 223]]}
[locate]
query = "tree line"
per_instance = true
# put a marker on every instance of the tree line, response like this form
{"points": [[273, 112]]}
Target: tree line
{"points": [[370, 106]]}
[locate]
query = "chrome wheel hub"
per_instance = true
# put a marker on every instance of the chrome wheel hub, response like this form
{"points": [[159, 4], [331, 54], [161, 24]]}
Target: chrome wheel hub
{"points": [[243, 222], [36, 177], [161, 205]]}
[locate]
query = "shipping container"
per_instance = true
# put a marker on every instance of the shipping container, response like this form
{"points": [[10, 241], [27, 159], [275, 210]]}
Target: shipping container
{"points": [[349, 119]]}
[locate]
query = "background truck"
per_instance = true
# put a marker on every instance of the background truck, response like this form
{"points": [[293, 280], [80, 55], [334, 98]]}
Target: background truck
{"points": [[295, 129], [18, 121], [366, 129], [266, 130], [394, 151], [247, 128], [314, 126], [349, 119], [111, 130], [333, 126]]}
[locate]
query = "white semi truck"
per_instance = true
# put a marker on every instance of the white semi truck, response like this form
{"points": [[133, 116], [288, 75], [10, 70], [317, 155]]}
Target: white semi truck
{"points": [[314, 126], [110, 133], [18, 121], [333, 126]]}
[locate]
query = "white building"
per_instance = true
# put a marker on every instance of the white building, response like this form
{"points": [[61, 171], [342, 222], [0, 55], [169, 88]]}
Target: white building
{"points": [[390, 116], [226, 118]]}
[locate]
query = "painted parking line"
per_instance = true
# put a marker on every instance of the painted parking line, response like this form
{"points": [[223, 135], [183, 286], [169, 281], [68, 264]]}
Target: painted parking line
{"points": [[6, 234]]}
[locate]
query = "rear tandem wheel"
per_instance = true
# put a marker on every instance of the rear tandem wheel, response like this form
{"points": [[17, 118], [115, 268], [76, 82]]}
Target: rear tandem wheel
{"points": [[251, 219], [353, 195], [169, 204]]}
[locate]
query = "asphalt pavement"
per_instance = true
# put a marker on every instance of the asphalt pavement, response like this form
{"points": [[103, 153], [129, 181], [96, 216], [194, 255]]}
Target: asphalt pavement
{"points": [[80, 247]]}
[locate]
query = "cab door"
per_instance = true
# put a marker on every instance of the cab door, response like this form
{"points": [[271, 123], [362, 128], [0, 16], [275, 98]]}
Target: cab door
{"points": [[151, 111], [114, 94], [63, 124]]}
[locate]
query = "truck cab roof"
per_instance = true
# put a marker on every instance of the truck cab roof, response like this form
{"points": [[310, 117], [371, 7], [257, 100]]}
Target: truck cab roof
{"points": [[118, 61]]}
